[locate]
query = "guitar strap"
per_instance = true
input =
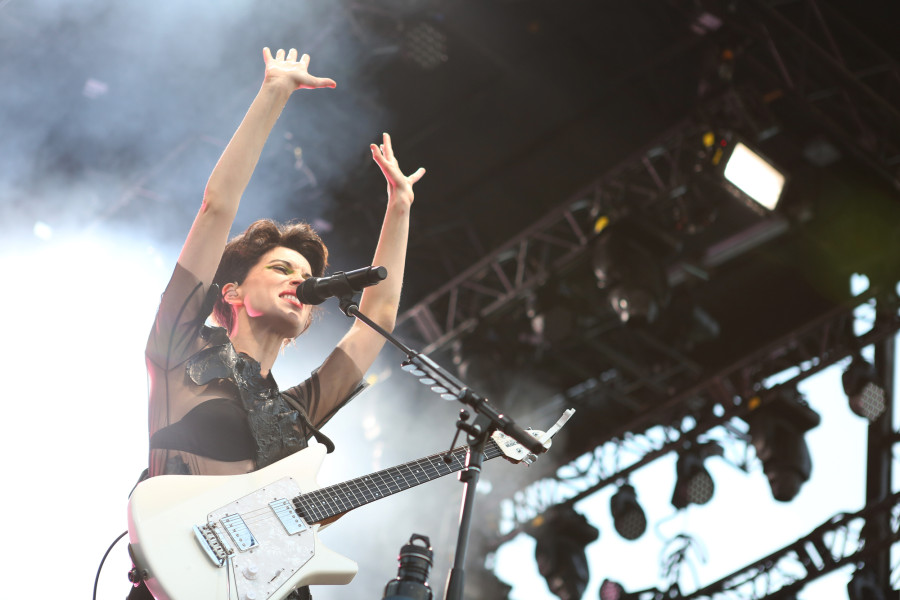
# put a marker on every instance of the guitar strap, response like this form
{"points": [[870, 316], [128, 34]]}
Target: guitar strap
{"points": [[145, 474], [321, 437]]}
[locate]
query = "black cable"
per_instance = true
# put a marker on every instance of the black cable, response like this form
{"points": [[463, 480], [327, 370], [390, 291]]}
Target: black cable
{"points": [[103, 560]]}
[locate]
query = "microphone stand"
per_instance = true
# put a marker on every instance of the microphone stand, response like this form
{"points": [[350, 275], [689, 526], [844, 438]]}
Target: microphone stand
{"points": [[486, 421]]}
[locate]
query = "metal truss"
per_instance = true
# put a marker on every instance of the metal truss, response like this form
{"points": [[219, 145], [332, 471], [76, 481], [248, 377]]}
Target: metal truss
{"points": [[713, 404], [842, 77], [835, 543], [612, 462], [658, 174]]}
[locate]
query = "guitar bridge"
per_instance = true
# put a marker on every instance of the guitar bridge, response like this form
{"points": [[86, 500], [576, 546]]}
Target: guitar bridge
{"points": [[211, 544]]}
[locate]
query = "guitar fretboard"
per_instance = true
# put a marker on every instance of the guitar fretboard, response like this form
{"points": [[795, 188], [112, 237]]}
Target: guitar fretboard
{"points": [[334, 500]]}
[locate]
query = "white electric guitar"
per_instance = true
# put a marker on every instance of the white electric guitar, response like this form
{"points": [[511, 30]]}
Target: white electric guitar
{"points": [[255, 536]]}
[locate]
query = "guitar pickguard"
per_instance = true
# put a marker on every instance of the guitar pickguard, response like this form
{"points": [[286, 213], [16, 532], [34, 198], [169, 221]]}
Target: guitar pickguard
{"points": [[280, 545]]}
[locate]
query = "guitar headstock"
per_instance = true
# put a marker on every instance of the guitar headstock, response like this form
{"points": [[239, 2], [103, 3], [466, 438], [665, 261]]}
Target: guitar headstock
{"points": [[515, 452]]}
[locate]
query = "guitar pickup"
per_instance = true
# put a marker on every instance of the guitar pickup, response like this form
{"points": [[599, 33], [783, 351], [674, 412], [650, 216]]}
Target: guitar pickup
{"points": [[288, 517], [239, 532]]}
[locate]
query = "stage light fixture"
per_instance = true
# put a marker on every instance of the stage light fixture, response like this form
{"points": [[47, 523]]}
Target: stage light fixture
{"points": [[864, 586], [628, 516], [562, 535], [693, 483], [631, 273], [863, 388], [776, 431], [754, 176], [425, 44]]}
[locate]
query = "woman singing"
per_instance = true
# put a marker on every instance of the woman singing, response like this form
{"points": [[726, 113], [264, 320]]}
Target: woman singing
{"points": [[215, 408]]}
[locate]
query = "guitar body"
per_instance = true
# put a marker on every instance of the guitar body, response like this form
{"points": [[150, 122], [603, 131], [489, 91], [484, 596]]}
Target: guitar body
{"points": [[267, 551], [255, 536]]}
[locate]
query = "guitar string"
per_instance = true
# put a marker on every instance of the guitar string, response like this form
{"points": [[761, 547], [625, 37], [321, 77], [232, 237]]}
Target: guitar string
{"points": [[324, 503], [358, 491], [327, 503]]}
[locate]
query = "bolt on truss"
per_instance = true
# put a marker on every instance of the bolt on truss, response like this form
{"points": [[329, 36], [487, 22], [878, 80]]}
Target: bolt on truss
{"points": [[715, 402]]}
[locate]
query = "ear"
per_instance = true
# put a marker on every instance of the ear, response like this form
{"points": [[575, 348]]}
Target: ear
{"points": [[231, 295]]}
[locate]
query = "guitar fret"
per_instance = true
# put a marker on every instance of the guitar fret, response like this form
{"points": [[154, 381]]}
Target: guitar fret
{"points": [[339, 499], [409, 477], [363, 486], [307, 510], [324, 503], [351, 495], [362, 494]]}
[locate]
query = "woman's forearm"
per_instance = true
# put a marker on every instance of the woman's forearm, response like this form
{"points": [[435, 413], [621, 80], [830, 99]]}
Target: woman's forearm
{"points": [[234, 168], [382, 301]]}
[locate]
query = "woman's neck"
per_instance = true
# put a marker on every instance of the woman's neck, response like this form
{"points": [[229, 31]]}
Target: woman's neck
{"points": [[263, 347]]}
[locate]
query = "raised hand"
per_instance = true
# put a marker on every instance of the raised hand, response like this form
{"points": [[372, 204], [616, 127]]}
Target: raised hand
{"points": [[398, 184], [292, 71]]}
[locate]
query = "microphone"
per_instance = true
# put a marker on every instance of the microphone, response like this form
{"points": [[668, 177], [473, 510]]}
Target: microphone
{"points": [[316, 290]]}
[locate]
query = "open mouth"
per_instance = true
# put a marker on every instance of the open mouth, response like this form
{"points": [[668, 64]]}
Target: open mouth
{"points": [[291, 299]]}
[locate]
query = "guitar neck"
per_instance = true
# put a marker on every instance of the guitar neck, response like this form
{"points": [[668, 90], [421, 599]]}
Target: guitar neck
{"points": [[324, 503]]}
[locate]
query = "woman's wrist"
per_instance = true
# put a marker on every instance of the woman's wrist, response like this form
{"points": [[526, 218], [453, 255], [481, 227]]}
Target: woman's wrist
{"points": [[278, 86], [400, 200]]}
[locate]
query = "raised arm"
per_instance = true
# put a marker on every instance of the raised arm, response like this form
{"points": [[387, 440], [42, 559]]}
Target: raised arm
{"points": [[203, 248], [380, 302]]}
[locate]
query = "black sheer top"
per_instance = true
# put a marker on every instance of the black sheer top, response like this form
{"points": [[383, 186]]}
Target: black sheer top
{"points": [[211, 411]]}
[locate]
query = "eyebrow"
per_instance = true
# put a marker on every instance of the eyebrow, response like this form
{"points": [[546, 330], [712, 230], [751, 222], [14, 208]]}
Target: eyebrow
{"points": [[288, 264]]}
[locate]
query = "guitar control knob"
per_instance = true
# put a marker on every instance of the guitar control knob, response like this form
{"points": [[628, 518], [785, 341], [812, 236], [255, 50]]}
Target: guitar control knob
{"points": [[250, 572], [250, 596]]}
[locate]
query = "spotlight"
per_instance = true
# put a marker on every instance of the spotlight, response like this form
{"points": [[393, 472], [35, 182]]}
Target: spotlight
{"points": [[562, 535], [776, 430], [425, 45], [628, 516], [864, 586], [754, 176], [631, 272], [694, 484], [863, 389]]}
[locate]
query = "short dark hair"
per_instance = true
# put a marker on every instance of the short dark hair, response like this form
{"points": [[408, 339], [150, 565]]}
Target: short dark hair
{"points": [[246, 249]]}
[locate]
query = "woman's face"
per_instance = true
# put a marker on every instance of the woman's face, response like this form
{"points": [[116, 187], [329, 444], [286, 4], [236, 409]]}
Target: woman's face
{"points": [[269, 291]]}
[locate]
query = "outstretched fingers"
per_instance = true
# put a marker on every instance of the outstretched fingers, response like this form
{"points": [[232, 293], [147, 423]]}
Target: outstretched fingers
{"points": [[383, 154], [317, 82], [287, 65], [323, 82], [417, 175], [386, 147]]}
